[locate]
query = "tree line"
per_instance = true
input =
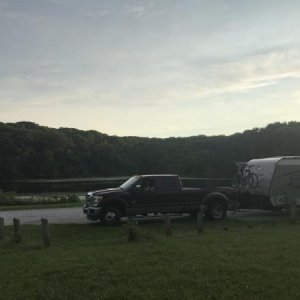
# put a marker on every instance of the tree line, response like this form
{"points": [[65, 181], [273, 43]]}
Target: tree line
{"points": [[28, 150]]}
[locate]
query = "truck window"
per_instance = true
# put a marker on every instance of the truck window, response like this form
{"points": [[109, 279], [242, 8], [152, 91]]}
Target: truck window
{"points": [[147, 185], [130, 182], [169, 184]]}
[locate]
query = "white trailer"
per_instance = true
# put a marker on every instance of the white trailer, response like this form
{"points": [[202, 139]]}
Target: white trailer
{"points": [[278, 182]]}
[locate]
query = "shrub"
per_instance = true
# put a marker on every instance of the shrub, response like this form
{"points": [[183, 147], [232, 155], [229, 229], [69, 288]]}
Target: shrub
{"points": [[8, 198], [69, 198], [11, 198]]}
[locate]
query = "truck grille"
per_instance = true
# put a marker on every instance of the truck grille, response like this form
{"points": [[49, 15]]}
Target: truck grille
{"points": [[88, 199]]}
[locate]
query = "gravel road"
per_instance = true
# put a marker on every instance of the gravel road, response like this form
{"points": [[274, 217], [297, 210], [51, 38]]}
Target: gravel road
{"points": [[75, 215], [54, 216]]}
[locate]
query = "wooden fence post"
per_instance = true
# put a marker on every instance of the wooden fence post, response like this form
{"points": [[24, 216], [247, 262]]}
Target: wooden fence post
{"points": [[200, 221], [45, 232], [168, 229], [1, 229], [17, 234], [131, 231], [129, 221], [293, 210]]}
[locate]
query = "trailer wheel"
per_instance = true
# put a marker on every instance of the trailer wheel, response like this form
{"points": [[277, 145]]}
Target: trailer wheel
{"points": [[216, 210], [110, 216]]}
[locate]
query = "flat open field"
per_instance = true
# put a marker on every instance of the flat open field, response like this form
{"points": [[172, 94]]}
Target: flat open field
{"points": [[232, 259]]}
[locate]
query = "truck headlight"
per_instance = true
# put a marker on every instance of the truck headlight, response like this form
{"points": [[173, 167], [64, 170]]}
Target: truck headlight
{"points": [[97, 200]]}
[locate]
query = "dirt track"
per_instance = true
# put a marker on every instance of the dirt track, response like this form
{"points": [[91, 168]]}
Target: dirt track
{"points": [[54, 216]]}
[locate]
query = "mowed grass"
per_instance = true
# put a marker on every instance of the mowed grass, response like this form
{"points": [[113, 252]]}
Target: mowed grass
{"points": [[230, 260]]}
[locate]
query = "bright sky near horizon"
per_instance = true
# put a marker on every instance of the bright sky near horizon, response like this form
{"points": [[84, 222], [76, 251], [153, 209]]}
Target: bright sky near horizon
{"points": [[150, 68]]}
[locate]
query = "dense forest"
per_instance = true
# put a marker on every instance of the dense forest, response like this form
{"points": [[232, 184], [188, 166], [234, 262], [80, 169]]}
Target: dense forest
{"points": [[28, 150]]}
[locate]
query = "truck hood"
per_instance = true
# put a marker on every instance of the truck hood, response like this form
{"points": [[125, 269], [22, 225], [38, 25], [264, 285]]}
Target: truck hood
{"points": [[104, 192]]}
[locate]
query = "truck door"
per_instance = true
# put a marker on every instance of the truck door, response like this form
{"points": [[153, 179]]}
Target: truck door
{"points": [[168, 195], [145, 192]]}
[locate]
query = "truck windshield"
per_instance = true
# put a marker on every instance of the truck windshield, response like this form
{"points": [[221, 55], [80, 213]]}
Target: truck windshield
{"points": [[129, 183]]}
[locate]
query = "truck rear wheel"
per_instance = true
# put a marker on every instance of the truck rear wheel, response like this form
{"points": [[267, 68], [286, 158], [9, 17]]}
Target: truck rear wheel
{"points": [[110, 216], [216, 210]]}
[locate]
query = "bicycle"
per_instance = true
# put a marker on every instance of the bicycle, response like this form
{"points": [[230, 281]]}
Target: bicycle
{"points": [[244, 179]]}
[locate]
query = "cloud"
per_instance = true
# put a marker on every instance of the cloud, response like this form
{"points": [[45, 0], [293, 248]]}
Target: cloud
{"points": [[9, 15], [176, 83], [98, 13], [262, 84], [136, 11], [17, 15], [29, 90], [251, 72], [163, 84]]}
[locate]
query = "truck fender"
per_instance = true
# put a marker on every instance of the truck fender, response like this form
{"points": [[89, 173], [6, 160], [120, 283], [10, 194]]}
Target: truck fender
{"points": [[116, 202], [214, 196]]}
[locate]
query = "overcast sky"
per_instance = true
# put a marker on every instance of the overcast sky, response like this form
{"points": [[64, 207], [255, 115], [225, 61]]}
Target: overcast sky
{"points": [[150, 68]]}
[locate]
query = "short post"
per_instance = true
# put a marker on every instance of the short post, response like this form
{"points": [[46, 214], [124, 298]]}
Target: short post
{"points": [[293, 210], [45, 232], [131, 231], [168, 229], [17, 234], [1, 229], [200, 221], [130, 221]]}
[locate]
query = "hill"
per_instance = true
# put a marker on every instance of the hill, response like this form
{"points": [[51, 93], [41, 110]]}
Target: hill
{"points": [[31, 151]]}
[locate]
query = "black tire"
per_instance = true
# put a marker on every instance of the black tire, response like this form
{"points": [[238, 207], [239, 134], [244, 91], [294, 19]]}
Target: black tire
{"points": [[216, 210], [111, 216]]}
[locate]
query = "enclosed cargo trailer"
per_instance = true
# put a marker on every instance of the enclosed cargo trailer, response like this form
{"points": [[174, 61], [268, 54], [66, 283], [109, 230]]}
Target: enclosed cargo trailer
{"points": [[277, 183]]}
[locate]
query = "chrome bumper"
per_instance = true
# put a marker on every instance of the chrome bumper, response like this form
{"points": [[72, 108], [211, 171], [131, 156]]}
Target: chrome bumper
{"points": [[92, 212]]}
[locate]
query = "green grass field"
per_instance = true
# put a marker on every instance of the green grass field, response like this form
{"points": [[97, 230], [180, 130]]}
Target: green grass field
{"points": [[230, 260]]}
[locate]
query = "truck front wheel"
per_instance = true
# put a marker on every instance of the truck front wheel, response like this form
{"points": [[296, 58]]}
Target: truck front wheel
{"points": [[110, 216], [216, 210]]}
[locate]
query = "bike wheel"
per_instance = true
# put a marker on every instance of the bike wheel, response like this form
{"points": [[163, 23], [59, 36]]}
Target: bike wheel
{"points": [[244, 184], [253, 180], [235, 181]]}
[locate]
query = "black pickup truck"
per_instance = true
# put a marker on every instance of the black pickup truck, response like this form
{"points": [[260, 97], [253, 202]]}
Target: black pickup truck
{"points": [[143, 194]]}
